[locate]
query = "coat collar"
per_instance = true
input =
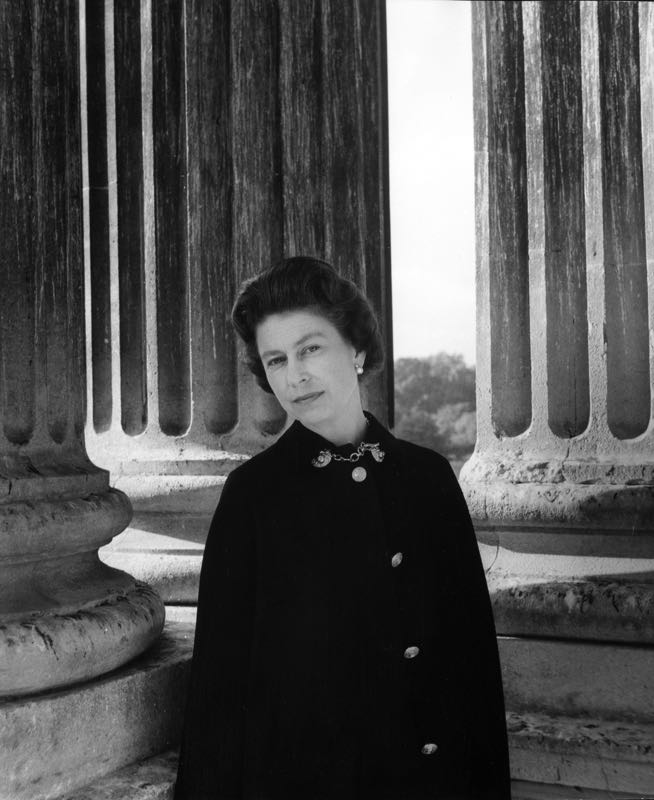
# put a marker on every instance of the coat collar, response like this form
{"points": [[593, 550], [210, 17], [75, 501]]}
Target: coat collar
{"points": [[303, 445]]}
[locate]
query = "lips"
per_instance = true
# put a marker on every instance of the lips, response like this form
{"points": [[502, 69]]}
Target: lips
{"points": [[307, 398]]}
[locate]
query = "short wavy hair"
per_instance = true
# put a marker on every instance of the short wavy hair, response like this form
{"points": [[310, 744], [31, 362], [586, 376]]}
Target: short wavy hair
{"points": [[303, 282]]}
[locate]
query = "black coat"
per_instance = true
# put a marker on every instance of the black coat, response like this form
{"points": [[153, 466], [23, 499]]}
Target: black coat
{"points": [[302, 687]]}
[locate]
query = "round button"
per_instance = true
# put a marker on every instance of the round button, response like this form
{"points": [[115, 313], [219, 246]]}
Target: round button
{"points": [[429, 749], [411, 652], [396, 560], [359, 474]]}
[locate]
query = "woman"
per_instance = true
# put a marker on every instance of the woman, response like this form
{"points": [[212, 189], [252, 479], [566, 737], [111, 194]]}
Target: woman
{"points": [[345, 647]]}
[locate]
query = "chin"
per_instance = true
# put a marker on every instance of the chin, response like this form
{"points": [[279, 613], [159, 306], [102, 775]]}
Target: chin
{"points": [[313, 415]]}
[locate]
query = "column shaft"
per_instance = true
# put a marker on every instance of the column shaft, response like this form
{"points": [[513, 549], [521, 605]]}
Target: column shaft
{"points": [[64, 615], [561, 483], [262, 130]]}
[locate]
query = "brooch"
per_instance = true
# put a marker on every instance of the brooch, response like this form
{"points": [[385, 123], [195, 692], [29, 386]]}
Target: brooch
{"points": [[324, 457]]}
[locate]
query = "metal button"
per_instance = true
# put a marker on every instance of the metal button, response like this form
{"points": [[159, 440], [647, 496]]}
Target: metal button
{"points": [[411, 652], [396, 560], [359, 474], [429, 749]]}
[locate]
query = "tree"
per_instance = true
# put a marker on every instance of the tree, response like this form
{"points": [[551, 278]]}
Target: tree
{"points": [[435, 403]]}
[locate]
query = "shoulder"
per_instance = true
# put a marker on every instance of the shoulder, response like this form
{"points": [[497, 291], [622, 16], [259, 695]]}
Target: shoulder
{"points": [[263, 465]]}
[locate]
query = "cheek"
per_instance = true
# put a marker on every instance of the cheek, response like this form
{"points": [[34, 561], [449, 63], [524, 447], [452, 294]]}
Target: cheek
{"points": [[275, 383], [344, 377]]}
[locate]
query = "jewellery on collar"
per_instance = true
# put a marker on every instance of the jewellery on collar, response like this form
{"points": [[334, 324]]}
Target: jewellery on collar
{"points": [[325, 456]]}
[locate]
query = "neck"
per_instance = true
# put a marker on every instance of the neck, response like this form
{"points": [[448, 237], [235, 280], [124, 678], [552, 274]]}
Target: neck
{"points": [[353, 430]]}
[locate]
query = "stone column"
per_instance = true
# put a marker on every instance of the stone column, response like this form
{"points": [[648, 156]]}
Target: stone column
{"points": [[222, 150], [64, 615], [561, 484]]}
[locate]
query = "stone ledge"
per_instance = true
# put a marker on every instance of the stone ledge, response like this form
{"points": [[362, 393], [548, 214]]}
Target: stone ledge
{"points": [[525, 790], [570, 596], [154, 778], [582, 752], [59, 741], [578, 678], [609, 610]]}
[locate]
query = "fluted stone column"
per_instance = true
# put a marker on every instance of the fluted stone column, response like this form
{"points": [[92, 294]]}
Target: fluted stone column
{"points": [[64, 615], [561, 484], [221, 136]]}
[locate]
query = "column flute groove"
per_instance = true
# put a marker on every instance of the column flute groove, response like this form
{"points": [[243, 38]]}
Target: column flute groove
{"points": [[646, 17], [594, 201], [538, 319]]}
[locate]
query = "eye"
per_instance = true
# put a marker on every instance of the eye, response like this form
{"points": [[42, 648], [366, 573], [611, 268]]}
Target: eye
{"points": [[273, 362], [311, 348]]}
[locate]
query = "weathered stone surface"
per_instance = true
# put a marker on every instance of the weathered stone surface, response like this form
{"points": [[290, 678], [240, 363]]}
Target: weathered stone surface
{"points": [[585, 752], [151, 779], [577, 678], [49, 650], [613, 610], [59, 525], [53, 743]]}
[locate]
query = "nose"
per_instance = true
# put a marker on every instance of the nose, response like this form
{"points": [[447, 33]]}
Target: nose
{"points": [[295, 372]]}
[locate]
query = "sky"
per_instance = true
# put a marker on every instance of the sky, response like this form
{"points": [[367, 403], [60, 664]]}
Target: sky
{"points": [[431, 177]]}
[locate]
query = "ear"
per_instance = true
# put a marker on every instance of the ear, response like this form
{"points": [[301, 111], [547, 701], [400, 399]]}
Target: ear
{"points": [[361, 357]]}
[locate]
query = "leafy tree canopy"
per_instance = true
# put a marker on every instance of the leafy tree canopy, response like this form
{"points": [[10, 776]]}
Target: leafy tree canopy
{"points": [[435, 403]]}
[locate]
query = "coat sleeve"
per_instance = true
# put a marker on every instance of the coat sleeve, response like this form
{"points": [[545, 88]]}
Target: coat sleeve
{"points": [[211, 757], [487, 747]]}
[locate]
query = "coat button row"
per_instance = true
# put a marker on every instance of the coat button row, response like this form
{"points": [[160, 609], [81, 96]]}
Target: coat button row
{"points": [[429, 748], [396, 560], [411, 652]]}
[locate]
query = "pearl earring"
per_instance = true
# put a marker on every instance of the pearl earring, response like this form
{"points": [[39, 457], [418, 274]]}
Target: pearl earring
{"points": [[359, 369]]}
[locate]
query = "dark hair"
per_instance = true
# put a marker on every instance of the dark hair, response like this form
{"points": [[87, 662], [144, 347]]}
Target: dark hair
{"points": [[305, 282]]}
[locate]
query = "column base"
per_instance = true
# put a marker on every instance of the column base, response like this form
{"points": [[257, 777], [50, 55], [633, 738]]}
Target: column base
{"points": [[54, 743], [49, 650], [66, 617], [150, 779], [164, 543], [163, 550], [591, 597], [561, 506]]}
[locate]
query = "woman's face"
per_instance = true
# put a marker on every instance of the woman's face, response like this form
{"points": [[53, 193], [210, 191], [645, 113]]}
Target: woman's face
{"points": [[311, 369]]}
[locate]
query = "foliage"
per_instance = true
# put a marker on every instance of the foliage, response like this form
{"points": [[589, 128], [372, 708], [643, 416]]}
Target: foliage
{"points": [[435, 403]]}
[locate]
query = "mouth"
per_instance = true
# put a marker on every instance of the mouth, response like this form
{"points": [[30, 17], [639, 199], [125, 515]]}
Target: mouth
{"points": [[305, 399]]}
